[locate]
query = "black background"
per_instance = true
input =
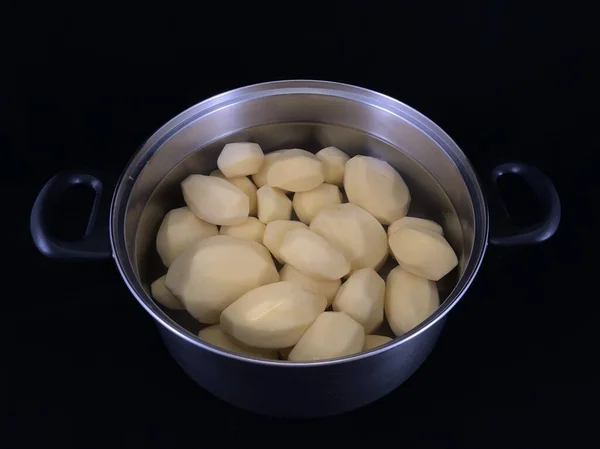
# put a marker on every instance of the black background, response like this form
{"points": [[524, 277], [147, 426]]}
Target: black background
{"points": [[87, 84]]}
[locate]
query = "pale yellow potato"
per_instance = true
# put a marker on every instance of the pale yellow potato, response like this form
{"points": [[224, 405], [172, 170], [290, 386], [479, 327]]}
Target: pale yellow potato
{"points": [[333, 160], [307, 204], [215, 200], [275, 232], [362, 297], [373, 341], [311, 254], [213, 273], [375, 186], [240, 159], [260, 178], [251, 229], [423, 252], [409, 300], [272, 316], [245, 185], [273, 204], [355, 232], [178, 230], [216, 337], [295, 170], [326, 288], [415, 222], [161, 294], [333, 334]]}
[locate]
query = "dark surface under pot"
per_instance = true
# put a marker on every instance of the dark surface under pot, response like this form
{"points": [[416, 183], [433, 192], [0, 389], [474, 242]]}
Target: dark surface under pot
{"points": [[515, 365]]}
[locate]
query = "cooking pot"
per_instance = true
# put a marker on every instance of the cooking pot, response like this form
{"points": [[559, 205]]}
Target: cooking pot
{"points": [[288, 114]]}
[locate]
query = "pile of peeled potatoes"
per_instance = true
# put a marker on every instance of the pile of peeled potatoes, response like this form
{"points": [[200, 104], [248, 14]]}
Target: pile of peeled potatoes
{"points": [[287, 209]]}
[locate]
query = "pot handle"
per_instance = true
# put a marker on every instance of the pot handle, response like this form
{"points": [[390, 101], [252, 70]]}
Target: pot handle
{"points": [[504, 232], [95, 243]]}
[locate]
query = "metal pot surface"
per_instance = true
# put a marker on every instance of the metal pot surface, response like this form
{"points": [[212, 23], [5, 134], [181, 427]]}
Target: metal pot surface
{"points": [[287, 114]]}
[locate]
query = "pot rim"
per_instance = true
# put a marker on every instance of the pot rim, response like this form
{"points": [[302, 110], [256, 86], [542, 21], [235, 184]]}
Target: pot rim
{"points": [[391, 105]]}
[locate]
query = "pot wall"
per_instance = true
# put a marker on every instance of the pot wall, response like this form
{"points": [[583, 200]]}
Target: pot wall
{"points": [[302, 391]]}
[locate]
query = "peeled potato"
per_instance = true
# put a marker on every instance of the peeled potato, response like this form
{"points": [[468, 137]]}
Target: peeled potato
{"points": [[215, 200], [372, 341], [311, 254], [333, 334], [216, 337], [240, 159], [375, 186], [355, 232], [423, 252], [362, 297], [409, 300], [272, 316], [415, 222], [326, 288], [273, 204], [213, 273], [245, 185], [275, 232], [307, 204], [333, 160], [251, 229], [164, 296], [178, 230], [295, 170], [260, 178]]}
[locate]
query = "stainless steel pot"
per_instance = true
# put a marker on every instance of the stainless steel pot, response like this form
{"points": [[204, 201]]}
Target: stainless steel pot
{"points": [[310, 115]]}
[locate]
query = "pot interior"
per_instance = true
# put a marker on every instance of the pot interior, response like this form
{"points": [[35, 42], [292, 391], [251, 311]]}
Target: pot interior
{"points": [[428, 198], [442, 184]]}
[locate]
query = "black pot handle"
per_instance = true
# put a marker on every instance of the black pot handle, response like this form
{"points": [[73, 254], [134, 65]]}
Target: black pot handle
{"points": [[95, 243], [504, 232]]}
